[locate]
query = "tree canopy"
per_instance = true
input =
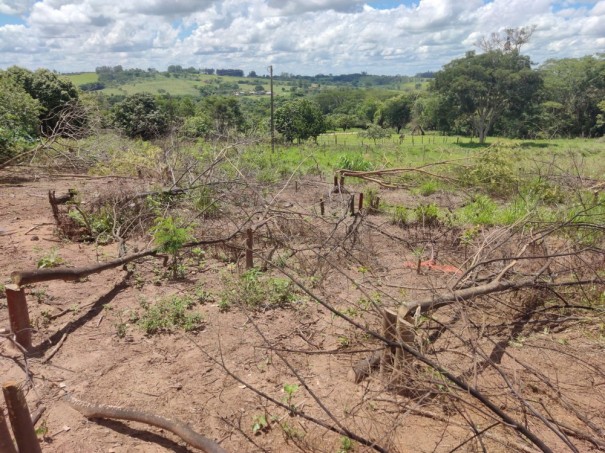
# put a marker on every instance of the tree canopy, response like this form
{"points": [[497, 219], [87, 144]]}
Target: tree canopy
{"points": [[299, 119], [19, 116], [479, 89], [140, 116], [53, 92]]}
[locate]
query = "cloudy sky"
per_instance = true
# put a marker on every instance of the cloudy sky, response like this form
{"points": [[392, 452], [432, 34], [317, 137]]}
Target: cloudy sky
{"points": [[298, 36]]}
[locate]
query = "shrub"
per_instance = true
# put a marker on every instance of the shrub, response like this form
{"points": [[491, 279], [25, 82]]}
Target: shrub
{"points": [[427, 214], [493, 172], [400, 216], [256, 290]]}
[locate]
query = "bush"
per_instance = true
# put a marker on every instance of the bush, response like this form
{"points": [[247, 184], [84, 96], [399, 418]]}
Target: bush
{"points": [[492, 172]]}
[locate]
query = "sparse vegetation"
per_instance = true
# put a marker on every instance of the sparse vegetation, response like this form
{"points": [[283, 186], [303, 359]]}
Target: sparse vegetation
{"points": [[168, 314]]}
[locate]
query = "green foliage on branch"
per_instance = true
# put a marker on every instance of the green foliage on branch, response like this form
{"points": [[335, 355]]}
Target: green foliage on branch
{"points": [[480, 89], [53, 92], [19, 117], [140, 116], [300, 119]]}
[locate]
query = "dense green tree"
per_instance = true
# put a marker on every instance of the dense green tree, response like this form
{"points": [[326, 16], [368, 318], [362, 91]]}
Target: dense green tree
{"points": [[140, 116], [480, 89], [19, 117], [344, 120], [339, 100], [573, 88], [225, 113], [52, 92], [375, 132], [299, 119], [395, 112]]}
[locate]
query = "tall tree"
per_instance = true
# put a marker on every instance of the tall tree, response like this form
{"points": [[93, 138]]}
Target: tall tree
{"points": [[299, 119], [52, 92], [19, 117], [481, 88], [574, 87], [140, 116], [225, 112], [508, 40], [395, 112]]}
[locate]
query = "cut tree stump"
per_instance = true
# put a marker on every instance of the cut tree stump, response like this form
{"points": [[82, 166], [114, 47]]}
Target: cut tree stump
{"points": [[19, 315], [21, 421]]}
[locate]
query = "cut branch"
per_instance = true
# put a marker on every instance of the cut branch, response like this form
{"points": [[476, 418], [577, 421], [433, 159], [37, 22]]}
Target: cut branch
{"points": [[175, 426]]}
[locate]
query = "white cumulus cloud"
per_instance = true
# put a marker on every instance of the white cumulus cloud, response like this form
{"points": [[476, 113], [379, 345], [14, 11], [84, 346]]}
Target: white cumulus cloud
{"points": [[299, 36]]}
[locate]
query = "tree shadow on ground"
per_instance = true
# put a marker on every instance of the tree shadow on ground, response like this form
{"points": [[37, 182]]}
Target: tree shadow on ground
{"points": [[472, 145], [535, 145]]}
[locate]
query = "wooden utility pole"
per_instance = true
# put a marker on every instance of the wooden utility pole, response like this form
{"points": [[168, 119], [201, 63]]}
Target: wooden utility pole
{"points": [[272, 119]]}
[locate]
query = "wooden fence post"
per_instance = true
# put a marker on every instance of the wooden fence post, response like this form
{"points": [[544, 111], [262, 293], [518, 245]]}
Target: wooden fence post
{"points": [[360, 202], [352, 204], [6, 442], [19, 316], [249, 247], [21, 421]]}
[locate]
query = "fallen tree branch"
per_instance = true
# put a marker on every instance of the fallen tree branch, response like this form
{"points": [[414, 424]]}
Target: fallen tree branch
{"points": [[61, 273], [21, 278], [175, 426], [495, 286]]}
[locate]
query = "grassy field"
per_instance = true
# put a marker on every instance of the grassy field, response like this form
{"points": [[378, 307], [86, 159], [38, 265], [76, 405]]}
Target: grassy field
{"points": [[83, 77], [186, 85]]}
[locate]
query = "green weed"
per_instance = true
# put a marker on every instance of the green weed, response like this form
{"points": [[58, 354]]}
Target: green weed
{"points": [[170, 235], [169, 314], [427, 214], [51, 259], [256, 290], [354, 163], [428, 188], [400, 216]]}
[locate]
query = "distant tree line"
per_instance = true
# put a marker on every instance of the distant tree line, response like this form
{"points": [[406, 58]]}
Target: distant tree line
{"points": [[493, 92]]}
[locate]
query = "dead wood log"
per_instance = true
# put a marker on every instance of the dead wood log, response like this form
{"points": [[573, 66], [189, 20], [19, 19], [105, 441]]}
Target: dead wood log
{"points": [[62, 199], [440, 300], [363, 368], [175, 426], [61, 273]]}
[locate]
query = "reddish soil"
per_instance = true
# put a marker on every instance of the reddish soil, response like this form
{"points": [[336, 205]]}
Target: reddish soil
{"points": [[107, 359]]}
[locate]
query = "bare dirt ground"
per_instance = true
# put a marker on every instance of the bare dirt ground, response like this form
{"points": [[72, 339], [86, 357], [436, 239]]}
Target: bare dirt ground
{"points": [[107, 359]]}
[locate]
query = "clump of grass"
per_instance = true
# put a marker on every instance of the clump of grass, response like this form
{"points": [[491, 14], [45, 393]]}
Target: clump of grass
{"points": [[428, 188], [400, 216], [169, 314], [256, 291], [427, 214], [205, 202], [481, 211], [354, 163]]}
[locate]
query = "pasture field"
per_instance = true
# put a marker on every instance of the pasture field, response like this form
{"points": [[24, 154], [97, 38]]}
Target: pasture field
{"points": [[81, 78]]}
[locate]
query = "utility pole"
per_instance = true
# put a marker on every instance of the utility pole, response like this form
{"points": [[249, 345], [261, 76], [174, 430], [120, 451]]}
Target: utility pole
{"points": [[272, 120]]}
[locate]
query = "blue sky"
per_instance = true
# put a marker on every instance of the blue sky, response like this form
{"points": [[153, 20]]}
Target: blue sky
{"points": [[299, 36]]}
